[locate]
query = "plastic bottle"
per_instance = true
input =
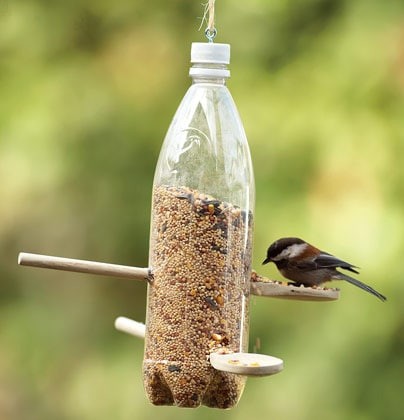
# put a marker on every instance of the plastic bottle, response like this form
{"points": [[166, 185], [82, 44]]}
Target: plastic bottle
{"points": [[200, 243]]}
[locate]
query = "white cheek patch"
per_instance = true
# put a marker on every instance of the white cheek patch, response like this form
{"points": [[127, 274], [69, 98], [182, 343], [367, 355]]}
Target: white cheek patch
{"points": [[291, 252]]}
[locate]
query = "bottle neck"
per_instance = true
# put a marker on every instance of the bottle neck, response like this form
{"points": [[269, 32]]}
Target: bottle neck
{"points": [[209, 80], [209, 73]]}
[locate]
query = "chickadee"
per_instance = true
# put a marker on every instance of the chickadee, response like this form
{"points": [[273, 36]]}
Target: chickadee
{"points": [[307, 265]]}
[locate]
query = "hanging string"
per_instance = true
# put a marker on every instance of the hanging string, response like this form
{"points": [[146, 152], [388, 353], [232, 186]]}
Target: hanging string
{"points": [[209, 18]]}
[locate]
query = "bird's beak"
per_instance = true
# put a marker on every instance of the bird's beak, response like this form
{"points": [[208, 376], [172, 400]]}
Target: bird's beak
{"points": [[266, 261]]}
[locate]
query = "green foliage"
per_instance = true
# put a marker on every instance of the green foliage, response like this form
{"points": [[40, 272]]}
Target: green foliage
{"points": [[88, 89]]}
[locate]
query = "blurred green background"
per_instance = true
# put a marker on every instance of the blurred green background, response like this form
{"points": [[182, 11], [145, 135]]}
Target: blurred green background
{"points": [[88, 89]]}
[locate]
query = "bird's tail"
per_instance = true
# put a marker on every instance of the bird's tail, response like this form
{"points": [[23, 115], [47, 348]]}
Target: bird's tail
{"points": [[361, 285]]}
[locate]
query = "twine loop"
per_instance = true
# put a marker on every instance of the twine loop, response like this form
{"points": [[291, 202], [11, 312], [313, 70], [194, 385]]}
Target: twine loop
{"points": [[209, 17]]}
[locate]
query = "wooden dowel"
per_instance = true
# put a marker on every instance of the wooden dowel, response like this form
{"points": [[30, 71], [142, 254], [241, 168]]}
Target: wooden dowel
{"points": [[260, 286], [129, 326], [83, 266]]}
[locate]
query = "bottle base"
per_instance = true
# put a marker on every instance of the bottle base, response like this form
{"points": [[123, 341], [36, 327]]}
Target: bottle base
{"points": [[175, 384]]}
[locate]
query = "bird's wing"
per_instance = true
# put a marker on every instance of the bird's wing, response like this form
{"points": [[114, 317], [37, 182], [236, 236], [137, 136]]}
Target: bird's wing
{"points": [[325, 260]]}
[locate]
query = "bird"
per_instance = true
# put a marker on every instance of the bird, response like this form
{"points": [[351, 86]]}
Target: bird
{"points": [[307, 265]]}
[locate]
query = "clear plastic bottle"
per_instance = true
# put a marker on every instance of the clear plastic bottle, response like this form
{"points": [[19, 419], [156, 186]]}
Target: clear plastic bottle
{"points": [[200, 243]]}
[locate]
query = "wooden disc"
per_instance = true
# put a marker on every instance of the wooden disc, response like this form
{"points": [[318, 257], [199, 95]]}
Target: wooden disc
{"points": [[250, 364], [287, 291]]}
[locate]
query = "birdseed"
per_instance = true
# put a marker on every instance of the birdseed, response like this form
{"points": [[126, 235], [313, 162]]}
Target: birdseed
{"points": [[200, 254]]}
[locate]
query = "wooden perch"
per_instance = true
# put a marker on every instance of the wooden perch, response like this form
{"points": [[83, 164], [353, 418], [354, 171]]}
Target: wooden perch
{"points": [[260, 286], [83, 266], [250, 364]]}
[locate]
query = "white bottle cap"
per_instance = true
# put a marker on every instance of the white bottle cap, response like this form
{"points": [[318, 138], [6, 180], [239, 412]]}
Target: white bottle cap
{"points": [[210, 53]]}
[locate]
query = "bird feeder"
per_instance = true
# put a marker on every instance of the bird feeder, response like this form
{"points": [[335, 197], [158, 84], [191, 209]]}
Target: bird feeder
{"points": [[199, 277]]}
